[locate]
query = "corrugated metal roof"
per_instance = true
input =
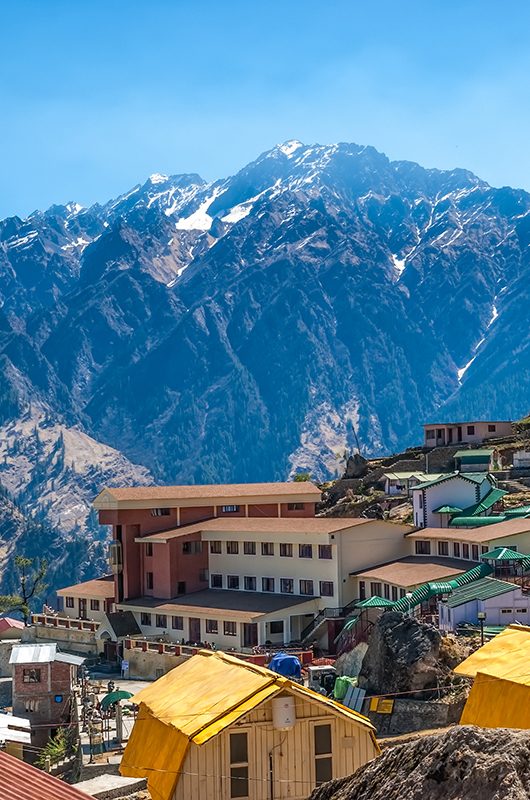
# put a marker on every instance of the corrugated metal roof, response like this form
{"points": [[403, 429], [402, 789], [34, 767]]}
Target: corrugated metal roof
{"points": [[474, 477], [476, 522], [33, 653], [21, 781], [487, 453], [41, 654], [504, 554], [479, 590], [14, 729], [374, 602], [489, 500], [447, 510]]}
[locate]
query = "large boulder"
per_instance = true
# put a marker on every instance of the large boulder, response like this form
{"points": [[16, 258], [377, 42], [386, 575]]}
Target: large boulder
{"points": [[403, 656], [462, 763]]}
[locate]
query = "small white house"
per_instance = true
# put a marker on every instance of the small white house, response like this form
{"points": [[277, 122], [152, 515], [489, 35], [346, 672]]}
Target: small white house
{"points": [[401, 483], [437, 500], [502, 602]]}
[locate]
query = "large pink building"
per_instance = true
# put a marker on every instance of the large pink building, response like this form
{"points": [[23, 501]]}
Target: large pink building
{"points": [[448, 433]]}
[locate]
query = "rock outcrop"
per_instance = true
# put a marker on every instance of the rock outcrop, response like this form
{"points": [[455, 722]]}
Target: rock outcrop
{"points": [[463, 763]]}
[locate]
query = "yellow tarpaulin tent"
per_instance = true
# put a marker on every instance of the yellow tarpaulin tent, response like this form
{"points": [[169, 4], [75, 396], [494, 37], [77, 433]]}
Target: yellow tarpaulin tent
{"points": [[500, 695], [196, 701]]}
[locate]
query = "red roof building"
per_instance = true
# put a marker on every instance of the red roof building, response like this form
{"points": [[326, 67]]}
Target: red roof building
{"points": [[21, 781]]}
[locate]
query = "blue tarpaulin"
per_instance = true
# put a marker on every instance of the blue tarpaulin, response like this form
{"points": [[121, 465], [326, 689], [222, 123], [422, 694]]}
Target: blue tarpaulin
{"points": [[286, 665]]}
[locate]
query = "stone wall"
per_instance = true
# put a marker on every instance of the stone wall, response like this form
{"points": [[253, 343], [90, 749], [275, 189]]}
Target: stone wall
{"points": [[148, 665], [415, 715], [70, 640]]}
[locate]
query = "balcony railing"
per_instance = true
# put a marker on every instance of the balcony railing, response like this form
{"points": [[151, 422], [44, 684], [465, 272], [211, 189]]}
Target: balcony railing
{"points": [[179, 650], [65, 623]]}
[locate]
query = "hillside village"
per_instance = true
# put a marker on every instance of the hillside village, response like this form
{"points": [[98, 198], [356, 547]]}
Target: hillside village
{"points": [[241, 626]]}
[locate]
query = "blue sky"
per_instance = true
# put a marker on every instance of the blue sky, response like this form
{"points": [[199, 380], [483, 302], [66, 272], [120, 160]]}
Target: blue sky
{"points": [[96, 95]]}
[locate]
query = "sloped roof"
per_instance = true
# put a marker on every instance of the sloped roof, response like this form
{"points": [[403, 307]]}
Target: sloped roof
{"points": [[41, 654], [482, 589], [473, 477], [198, 700], [503, 554], [509, 527], [8, 623], [487, 453], [22, 781], [505, 656], [169, 494], [489, 500], [447, 510], [123, 623], [413, 570], [476, 522], [273, 525], [374, 602], [98, 587]]}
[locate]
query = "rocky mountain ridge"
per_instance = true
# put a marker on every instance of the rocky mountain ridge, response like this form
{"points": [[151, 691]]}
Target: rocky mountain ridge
{"points": [[266, 323]]}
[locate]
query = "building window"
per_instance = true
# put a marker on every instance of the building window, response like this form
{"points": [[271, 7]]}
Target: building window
{"points": [[474, 552], [249, 548], [306, 587], [149, 549], [31, 675], [295, 506], [161, 621], [492, 428], [160, 512], [276, 626], [286, 550], [69, 602], [402, 593], [514, 548], [212, 626], [324, 551], [521, 610], [465, 550], [215, 548], [326, 589], [177, 623], [456, 549], [181, 587], [362, 590], [239, 786], [305, 551], [286, 585], [145, 619], [506, 611], [250, 583], [267, 549], [394, 593], [470, 430], [423, 548], [386, 591], [232, 548], [232, 581], [323, 757], [230, 628], [31, 705], [229, 509], [191, 548], [375, 589], [429, 434], [485, 549], [267, 584], [94, 605], [420, 500], [149, 580], [216, 581], [443, 548]]}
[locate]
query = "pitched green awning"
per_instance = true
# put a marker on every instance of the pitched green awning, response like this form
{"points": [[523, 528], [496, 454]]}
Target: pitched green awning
{"points": [[374, 602], [475, 522], [503, 554], [492, 497], [447, 510]]}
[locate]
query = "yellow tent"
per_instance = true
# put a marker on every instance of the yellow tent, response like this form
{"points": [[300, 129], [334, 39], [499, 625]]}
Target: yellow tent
{"points": [[500, 695], [193, 703]]}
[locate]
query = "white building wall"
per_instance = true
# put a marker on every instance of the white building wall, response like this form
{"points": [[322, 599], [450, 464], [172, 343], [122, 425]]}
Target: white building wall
{"points": [[504, 609], [455, 492]]}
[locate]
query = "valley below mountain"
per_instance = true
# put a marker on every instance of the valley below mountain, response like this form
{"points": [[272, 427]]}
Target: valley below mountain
{"points": [[322, 298]]}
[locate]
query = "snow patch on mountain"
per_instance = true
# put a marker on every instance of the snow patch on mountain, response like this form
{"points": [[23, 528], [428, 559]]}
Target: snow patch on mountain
{"points": [[290, 147], [200, 220]]}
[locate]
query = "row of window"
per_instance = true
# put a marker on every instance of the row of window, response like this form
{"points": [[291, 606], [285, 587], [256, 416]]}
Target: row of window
{"points": [[381, 590], [69, 603], [177, 623], [165, 512], [438, 434], [460, 549], [181, 585], [286, 585], [268, 549]]}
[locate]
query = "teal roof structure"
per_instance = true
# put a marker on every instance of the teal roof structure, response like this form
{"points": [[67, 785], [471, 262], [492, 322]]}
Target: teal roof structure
{"points": [[476, 522], [482, 589], [474, 456], [447, 510], [427, 590], [375, 602], [503, 554]]}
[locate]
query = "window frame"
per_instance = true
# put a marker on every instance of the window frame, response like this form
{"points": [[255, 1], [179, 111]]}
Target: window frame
{"points": [[246, 583], [263, 584], [146, 619], [161, 621], [324, 756], [267, 549], [303, 582], [177, 623], [249, 548], [227, 627], [232, 579], [212, 626], [305, 550], [216, 547], [232, 547], [286, 550], [213, 580], [325, 548], [282, 584], [32, 675], [327, 583]]}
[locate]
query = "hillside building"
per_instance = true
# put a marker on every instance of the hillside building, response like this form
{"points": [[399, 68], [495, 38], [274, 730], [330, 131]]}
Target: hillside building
{"points": [[438, 501], [447, 433]]}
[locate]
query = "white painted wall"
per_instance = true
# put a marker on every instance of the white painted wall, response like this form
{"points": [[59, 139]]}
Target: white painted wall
{"points": [[504, 609], [455, 492]]}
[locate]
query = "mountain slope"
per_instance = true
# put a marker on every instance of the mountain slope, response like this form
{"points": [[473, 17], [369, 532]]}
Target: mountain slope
{"points": [[250, 327]]}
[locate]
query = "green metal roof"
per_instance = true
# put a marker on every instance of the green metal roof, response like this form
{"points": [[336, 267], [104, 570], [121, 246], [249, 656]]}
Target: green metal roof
{"points": [[475, 522], [504, 554], [374, 602], [482, 589], [482, 454], [492, 497], [473, 574], [350, 623], [520, 511], [428, 590], [447, 510]]}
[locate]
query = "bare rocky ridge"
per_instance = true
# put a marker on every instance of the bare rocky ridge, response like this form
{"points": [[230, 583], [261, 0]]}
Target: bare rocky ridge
{"points": [[463, 763]]}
